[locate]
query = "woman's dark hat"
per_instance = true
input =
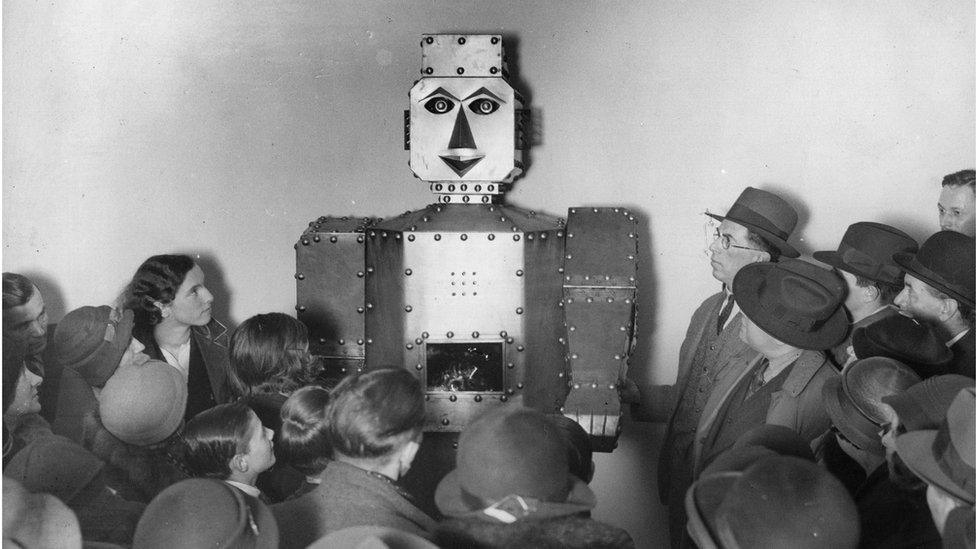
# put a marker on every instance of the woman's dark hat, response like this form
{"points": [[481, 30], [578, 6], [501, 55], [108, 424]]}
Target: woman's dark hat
{"points": [[866, 250], [905, 340], [767, 214], [512, 463], [794, 301], [947, 262]]}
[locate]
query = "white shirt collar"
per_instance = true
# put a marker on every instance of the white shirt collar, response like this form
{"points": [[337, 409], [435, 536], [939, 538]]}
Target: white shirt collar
{"points": [[959, 336], [246, 488]]}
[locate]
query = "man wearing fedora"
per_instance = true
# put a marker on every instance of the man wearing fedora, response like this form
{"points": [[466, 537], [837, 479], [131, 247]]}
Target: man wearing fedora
{"points": [[755, 230], [940, 283], [792, 312], [864, 261]]}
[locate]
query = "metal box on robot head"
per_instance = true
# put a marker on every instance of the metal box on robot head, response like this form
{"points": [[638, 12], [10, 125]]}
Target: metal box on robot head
{"points": [[468, 298], [331, 274]]}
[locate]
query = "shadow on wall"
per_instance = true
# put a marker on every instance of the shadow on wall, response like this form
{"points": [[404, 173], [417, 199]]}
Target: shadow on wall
{"points": [[52, 294], [802, 212], [216, 283]]}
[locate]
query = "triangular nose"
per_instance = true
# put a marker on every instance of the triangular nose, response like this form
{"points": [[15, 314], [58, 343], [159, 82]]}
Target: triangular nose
{"points": [[461, 137]]}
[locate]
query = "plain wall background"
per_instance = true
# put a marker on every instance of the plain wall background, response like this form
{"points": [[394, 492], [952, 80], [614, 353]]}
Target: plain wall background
{"points": [[221, 128]]}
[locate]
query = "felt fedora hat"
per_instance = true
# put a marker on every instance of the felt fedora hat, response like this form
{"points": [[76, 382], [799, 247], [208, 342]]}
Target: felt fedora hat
{"points": [[783, 501], [701, 502], [853, 399], [767, 215], [91, 341], [946, 457], [947, 262], [924, 405], [905, 340], [866, 250], [512, 463], [794, 301]]}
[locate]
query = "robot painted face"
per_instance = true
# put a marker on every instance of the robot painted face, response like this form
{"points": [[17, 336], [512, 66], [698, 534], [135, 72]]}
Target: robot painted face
{"points": [[463, 129]]}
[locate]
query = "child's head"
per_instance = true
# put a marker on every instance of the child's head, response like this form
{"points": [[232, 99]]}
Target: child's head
{"points": [[269, 354], [228, 442], [304, 443]]}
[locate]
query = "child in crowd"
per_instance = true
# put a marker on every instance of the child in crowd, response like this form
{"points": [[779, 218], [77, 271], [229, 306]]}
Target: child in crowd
{"points": [[228, 442], [304, 443]]}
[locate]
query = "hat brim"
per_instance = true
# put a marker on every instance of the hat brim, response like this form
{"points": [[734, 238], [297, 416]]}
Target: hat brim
{"points": [[701, 503], [783, 246], [915, 449], [450, 501], [833, 259], [909, 263], [848, 420], [831, 333]]}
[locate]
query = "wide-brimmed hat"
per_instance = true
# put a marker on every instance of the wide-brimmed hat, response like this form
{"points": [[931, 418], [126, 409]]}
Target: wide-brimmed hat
{"points": [[203, 512], [143, 404], [866, 250], [767, 215], [371, 537], [853, 399], [37, 520], [794, 301], [946, 457], [905, 340], [947, 262], [91, 341], [924, 405], [701, 502], [779, 501], [512, 463]]}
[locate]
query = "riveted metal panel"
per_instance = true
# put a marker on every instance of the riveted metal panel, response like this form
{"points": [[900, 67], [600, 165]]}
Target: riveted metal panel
{"points": [[601, 247], [330, 289], [546, 377], [600, 323], [385, 315]]}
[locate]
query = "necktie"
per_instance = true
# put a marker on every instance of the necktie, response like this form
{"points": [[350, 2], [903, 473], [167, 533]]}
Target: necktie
{"points": [[723, 315], [757, 377]]}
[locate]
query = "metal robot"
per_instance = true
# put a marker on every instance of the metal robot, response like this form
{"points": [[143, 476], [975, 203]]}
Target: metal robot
{"points": [[484, 302]]}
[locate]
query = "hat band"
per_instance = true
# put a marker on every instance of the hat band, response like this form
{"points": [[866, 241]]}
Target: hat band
{"points": [[952, 463], [804, 324], [868, 265], [743, 214]]}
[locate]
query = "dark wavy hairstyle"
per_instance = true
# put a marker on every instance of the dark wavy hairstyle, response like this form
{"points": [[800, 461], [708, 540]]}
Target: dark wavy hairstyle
{"points": [[269, 354], [14, 355], [157, 279], [213, 437], [304, 441], [375, 413], [17, 290]]}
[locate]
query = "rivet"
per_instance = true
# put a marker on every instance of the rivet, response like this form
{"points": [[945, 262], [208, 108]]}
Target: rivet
{"points": [[369, 270], [408, 308], [593, 386], [438, 209], [316, 238], [596, 210], [572, 210], [544, 236], [589, 300], [437, 237], [464, 236], [570, 235], [503, 219], [627, 301], [510, 391], [623, 328], [398, 236], [409, 346], [609, 300], [369, 341], [574, 356], [450, 335], [569, 300], [616, 357], [572, 328], [425, 218], [429, 70], [510, 340], [559, 234], [503, 398], [383, 234], [419, 366], [425, 335], [360, 274], [438, 187], [630, 257], [491, 236], [518, 310], [477, 398], [304, 242], [418, 341], [562, 340], [300, 308], [359, 309], [519, 272], [372, 234], [411, 238], [493, 70], [586, 277], [560, 374], [576, 386], [445, 421], [408, 272], [430, 39], [519, 385], [530, 236], [561, 270], [333, 239], [475, 335], [359, 342], [510, 365], [453, 398], [360, 239], [611, 386], [503, 334], [631, 235], [300, 276], [369, 305], [520, 348], [516, 237], [630, 278], [569, 256]]}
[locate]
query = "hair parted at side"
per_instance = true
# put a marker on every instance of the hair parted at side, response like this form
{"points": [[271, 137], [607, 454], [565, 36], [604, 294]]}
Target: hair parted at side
{"points": [[886, 290], [213, 437], [960, 179], [269, 354], [304, 440], [157, 279], [373, 414], [17, 290]]}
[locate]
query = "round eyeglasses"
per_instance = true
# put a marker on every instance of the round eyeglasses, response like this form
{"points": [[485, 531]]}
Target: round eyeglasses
{"points": [[726, 242]]}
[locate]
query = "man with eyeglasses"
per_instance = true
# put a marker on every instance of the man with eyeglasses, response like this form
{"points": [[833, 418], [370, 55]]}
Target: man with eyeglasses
{"points": [[755, 229]]}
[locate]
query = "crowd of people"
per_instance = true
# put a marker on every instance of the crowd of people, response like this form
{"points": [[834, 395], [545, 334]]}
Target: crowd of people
{"points": [[816, 405]]}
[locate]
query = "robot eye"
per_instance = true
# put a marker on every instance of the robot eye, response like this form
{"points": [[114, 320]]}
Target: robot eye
{"points": [[483, 105], [439, 105]]}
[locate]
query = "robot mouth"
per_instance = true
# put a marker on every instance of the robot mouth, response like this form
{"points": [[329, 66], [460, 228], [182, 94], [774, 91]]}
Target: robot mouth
{"points": [[461, 163]]}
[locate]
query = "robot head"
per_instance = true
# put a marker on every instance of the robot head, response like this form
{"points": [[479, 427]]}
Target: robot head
{"points": [[463, 117]]}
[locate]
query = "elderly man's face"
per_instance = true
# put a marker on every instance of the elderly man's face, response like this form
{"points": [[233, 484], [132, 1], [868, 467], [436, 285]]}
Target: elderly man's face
{"points": [[726, 263], [920, 301], [28, 320], [957, 209]]}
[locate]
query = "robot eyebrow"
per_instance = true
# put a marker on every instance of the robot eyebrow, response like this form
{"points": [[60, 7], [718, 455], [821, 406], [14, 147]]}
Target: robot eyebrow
{"points": [[440, 91], [484, 91]]}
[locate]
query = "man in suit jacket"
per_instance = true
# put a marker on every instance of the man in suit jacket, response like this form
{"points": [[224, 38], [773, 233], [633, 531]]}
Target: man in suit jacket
{"points": [[940, 283], [864, 261], [755, 229]]}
